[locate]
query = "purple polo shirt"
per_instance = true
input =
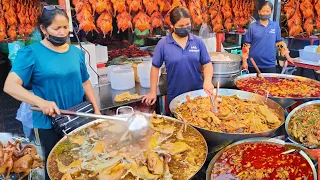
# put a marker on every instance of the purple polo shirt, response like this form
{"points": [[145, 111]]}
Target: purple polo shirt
{"points": [[183, 65], [263, 43]]}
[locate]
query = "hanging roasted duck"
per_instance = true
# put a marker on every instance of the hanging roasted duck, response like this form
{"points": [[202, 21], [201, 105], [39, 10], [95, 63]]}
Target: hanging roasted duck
{"points": [[142, 21], [124, 21], [104, 23], [134, 5], [195, 11], [156, 22]]}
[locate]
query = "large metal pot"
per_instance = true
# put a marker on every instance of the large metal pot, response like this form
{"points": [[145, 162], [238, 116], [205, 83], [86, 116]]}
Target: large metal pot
{"points": [[225, 67], [292, 139], [124, 123], [283, 76], [277, 141], [225, 80], [218, 138]]}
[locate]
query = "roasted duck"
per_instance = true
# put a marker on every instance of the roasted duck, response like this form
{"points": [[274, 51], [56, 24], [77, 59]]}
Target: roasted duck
{"points": [[119, 6], [142, 21], [308, 26], [164, 5], [307, 9], [195, 11], [86, 19], [317, 7], [124, 21], [290, 8], [217, 24], [99, 5], [156, 20], [12, 32], [104, 23], [18, 159], [151, 6], [134, 5], [228, 24], [226, 9]]}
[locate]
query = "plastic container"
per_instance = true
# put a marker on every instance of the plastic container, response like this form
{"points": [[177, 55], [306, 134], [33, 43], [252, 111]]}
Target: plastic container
{"points": [[309, 57], [109, 69], [122, 78], [311, 48], [144, 74], [101, 54]]}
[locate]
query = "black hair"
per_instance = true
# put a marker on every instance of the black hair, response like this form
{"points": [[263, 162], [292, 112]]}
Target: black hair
{"points": [[47, 16], [177, 13], [266, 3]]}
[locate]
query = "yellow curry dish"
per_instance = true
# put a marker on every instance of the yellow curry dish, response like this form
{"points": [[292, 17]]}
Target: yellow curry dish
{"points": [[233, 115]]}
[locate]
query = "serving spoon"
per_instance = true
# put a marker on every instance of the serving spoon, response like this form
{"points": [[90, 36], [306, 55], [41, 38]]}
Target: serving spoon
{"points": [[138, 123]]}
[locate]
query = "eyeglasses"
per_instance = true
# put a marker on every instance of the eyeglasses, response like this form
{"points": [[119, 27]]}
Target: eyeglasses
{"points": [[52, 7]]}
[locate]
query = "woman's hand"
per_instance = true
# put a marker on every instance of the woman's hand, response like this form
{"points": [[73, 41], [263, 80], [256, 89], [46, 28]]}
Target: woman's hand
{"points": [[48, 108], [208, 87], [149, 99], [97, 112], [244, 65]]}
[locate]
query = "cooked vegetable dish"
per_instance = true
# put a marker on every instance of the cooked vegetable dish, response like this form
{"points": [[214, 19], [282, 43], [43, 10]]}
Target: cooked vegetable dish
{"points": [[281, 87], [304, 126], [173, 151], [234, 115], [261, 160]]}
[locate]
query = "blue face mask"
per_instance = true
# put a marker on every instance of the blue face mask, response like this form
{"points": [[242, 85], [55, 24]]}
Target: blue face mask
{"points": [[182, 32]]}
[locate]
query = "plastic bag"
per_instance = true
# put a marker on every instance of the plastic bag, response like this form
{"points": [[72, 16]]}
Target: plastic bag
{"points": [[24, 114], [211, 44], [205, 30], [14, 48]]}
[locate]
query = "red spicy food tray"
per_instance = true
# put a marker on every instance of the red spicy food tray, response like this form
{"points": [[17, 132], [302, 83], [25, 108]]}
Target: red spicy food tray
{"points": [[261, 160], [281, 87]]}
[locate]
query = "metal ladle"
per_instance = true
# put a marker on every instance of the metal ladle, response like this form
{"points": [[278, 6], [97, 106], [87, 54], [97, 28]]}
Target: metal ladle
{"points": [[138, 123]]}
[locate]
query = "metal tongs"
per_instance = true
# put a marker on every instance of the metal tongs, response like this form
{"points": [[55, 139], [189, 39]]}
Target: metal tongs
{"points": [[259, 74], [138, 123], [213, 100]]}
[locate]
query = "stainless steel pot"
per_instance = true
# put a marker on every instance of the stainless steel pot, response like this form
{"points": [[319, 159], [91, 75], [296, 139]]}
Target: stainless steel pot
{"points": [[217, 138], [283, 76], [271, 140], [121, 115], [292, 139], [226, 80], [225, 67]]}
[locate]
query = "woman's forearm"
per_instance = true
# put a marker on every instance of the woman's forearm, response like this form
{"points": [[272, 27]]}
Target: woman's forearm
{"points": [[88, 90], [208, 72], [13, 87], [154, 76]]}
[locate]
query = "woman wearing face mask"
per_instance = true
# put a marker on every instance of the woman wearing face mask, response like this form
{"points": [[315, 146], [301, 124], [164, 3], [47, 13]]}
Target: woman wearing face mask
{"points": [[261, 41], [56, 71], [183, 54]]}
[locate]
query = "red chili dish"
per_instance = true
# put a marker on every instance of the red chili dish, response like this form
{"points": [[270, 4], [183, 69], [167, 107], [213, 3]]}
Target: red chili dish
{"points": [[261, 160], [281, 87]]}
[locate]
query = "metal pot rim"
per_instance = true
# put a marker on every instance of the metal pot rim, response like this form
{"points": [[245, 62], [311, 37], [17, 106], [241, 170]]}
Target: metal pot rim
{"points": [[259, 139]]}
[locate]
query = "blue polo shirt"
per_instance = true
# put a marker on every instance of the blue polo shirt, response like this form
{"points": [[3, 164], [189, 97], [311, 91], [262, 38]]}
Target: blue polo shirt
{"points": [[263, 43], [183, 65]]}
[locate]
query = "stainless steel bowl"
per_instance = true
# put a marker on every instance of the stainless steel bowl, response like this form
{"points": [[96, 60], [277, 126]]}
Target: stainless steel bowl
{"points": [[226, 67]]}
